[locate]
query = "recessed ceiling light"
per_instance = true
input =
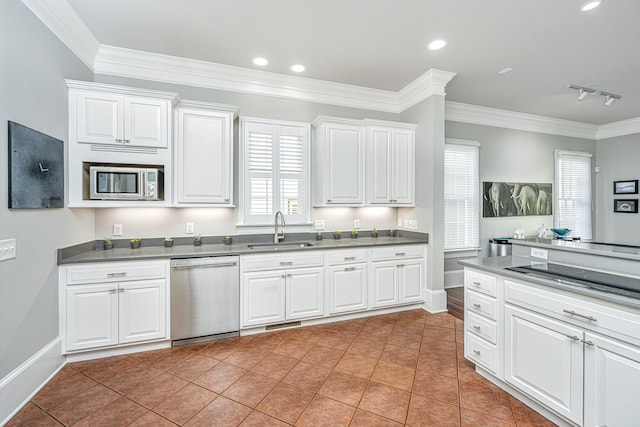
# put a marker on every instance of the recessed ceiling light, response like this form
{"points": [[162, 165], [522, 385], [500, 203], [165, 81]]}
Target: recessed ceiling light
{"points": [[505, 70], [590, 5], [437, 44], [297, 68], [260, 61]]}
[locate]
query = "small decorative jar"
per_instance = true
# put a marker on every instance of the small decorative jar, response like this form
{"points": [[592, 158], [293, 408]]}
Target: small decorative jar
{"points": [[319, 236], [227, 240]]}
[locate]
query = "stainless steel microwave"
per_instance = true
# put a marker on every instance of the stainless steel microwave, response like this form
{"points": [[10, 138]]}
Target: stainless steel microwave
{"points": [[125, 183]]}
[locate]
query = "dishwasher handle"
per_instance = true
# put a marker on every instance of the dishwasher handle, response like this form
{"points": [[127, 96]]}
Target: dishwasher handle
{"points": [[222, 264]]}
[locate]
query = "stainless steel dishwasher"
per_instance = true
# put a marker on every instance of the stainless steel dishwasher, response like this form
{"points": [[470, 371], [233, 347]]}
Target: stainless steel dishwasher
{"points": [[205, 299]]}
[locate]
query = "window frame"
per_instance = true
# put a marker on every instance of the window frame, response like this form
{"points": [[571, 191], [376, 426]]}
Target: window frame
{"points": [[474, 242], [558, 154], [244, 219]]}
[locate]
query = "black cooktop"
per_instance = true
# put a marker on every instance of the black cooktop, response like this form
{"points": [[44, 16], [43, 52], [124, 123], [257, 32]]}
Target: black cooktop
{"points": [[606, 282]]}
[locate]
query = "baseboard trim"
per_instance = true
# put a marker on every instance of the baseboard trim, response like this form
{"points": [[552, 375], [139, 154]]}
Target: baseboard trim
{"points": [[21, 384], [435, 301], [453, 279]]}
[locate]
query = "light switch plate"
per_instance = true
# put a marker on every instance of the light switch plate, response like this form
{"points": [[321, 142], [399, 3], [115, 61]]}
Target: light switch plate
{"points": [[189, 228], [117, 229], [7, 249], [356, 223], [319, 224]]}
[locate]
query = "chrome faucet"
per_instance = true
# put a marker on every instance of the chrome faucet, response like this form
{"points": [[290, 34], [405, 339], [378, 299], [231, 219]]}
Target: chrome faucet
{"points": [[279, 235]]}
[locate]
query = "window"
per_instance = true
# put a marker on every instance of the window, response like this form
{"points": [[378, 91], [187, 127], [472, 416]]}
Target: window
{"points": [[275, 171], [573, 192], [461, 195]]}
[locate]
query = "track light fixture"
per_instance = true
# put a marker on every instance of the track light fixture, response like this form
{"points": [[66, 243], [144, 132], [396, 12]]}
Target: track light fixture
{"points": [[583, 92], [610, 98]]}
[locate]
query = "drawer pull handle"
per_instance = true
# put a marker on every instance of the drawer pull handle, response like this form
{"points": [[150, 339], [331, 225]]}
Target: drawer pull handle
{"points": [[588, 343], [349, 258], [350, 269], [573, 313], [476, 352], [113, 291], [400, 265], [401, 254], [288, 274], [284, 276], [476, 283], [286, 262], [123, 274], [477, 305], [476, 327], [575, 338], [121, 290]]}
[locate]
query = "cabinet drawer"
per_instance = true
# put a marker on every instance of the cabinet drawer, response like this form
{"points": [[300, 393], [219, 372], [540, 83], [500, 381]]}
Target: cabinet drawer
{"points": [[481, 304], [481, 282], [116, 272], [398, 252], [481, 327], [481, 352], [346, 257], [573, 309], [282, 261]]}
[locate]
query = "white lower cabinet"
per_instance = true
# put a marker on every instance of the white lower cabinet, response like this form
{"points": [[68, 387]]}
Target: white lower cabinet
{"points": [[111, 304], [305, 289], [103, 315], [543, 358], [611, 382], [347, 288], [396, 282]]}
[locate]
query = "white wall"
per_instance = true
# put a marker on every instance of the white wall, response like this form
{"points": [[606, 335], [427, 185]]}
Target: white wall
{"points": [[222, 221], [33, 66], [619, 160]]}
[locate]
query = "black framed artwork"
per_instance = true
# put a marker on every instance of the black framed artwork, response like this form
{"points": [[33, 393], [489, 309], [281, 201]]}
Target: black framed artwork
{"points": [[36, 169], [625, 205], [625, 187]]}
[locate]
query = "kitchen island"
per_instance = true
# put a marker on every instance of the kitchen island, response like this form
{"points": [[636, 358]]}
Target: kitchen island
{"points": [[569, 348]]}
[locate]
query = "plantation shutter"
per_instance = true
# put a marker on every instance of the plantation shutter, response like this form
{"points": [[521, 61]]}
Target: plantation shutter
{"points": [[275, 172], [573, 192], [461, 195]]}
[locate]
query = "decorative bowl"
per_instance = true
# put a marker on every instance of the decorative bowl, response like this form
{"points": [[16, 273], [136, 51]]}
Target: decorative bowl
{"points": [[560, 232]]}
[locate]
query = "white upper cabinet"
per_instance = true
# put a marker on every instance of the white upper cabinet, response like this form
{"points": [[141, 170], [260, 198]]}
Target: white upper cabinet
{"points": [[204, 153], [338, 162], [390, 163], [106, 118]]}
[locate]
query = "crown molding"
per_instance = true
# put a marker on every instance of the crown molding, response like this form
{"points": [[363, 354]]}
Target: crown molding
{"points": [[467, 113], [170, 69], [65, 24], [621, 128], [433, 82]]}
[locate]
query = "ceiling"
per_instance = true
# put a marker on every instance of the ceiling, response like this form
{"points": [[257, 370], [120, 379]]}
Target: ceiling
{"points": [[381, 44]]}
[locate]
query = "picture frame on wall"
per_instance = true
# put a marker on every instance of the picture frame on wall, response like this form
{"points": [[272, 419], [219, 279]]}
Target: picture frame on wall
{"points": [[625, 187], [625, 205]]}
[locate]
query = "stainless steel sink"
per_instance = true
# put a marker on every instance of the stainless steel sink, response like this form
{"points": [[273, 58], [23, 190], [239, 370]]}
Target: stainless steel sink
{"points": [[281, 245]]}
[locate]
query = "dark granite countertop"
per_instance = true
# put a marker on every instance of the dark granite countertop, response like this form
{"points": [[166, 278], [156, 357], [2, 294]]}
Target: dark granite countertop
{"points": [[499, 265], [184, 248]]}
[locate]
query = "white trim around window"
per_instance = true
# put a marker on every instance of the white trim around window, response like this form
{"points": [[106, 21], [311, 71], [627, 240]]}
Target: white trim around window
{"points": [[572, 193]]}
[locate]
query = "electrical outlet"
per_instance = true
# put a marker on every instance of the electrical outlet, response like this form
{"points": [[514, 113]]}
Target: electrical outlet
{"points": [[406, 223], [7, 249], [319, 224], [189, 228], [539, 253], [413, 224], [399, 222], [356, 223], [117, 229]]}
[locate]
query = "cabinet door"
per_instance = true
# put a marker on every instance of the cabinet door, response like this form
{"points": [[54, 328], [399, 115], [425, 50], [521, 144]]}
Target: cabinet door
{"points": [[142, 311], [611, 382], [305, 288], [344, 175], [383, 289], [204, 156], [263, 298], [410, 281], [379, 167], [100, 118], [92, 316], [146, 122], [402, 167], [347, 288], [544, 359]]}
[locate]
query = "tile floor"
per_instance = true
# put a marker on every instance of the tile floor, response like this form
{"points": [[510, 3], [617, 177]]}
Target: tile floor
{"points": [[400, 369]]}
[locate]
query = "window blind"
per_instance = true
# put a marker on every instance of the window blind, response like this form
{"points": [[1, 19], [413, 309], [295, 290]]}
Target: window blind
{"points": [[275, 173], [573, 192], [461, 195]]}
